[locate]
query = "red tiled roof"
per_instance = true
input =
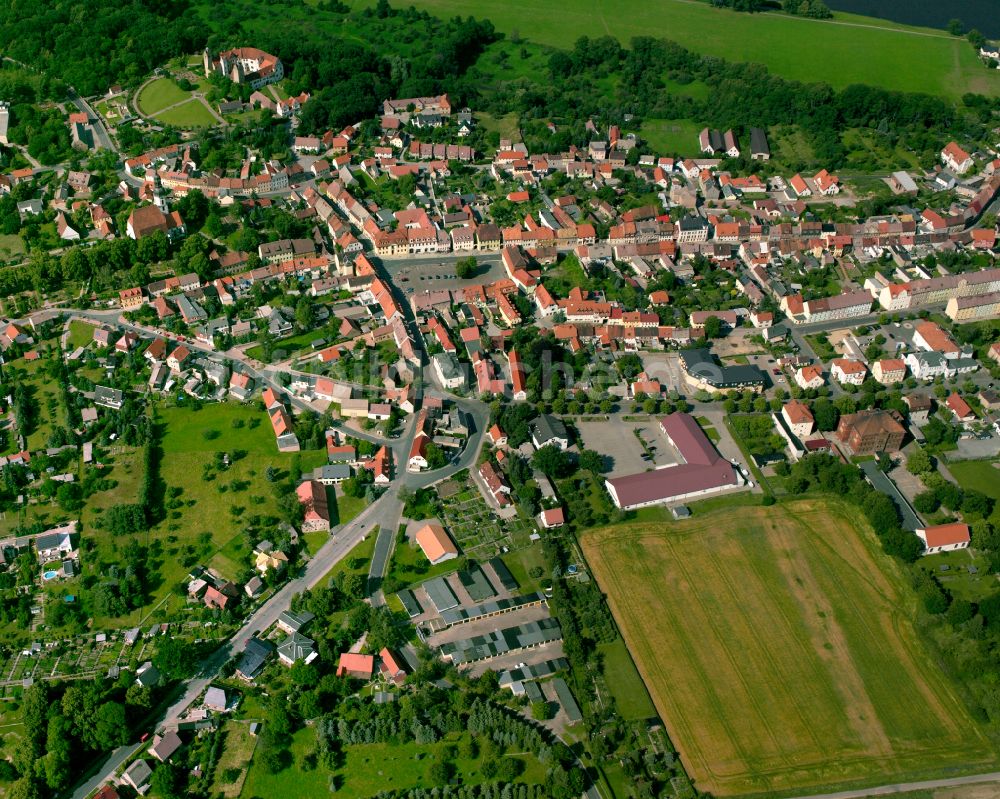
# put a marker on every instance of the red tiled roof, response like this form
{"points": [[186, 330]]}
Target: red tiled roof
{"points": [[947, 534]]}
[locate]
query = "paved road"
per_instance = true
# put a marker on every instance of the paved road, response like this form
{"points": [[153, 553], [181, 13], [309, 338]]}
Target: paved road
{"points": [[340, 543], [905, 787], [114, 762]]}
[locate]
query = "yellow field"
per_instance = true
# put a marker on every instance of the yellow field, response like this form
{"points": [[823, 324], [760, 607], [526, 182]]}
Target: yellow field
{"points": [[777, 647]]}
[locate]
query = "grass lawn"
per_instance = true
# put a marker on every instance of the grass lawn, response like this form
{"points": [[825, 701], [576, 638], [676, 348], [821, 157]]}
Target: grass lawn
{"points": [[367, 770], [521, 561], [11, 245], [672, 136], [981, 476], [507, 126], [192, 114], [236, 754], [631, 697], [781, 624], [848, 49], [80, 334], [349, 507], [160, 94], [408, 566], [50, 411], [208, 525]]}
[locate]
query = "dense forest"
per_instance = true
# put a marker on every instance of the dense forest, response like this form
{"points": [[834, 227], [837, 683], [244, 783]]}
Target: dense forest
{"points": [[95, 44], [350, 61]]}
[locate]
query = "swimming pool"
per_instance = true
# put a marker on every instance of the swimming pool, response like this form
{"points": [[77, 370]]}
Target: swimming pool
{"points": [[50, 575]]}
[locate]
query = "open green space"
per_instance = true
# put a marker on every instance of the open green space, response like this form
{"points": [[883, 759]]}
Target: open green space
{"points": [[631, 697], [207, 504], [847, 49], [730, 616], [190, 114], [159, 94], [368, 769], [981, 476], [11, 245], [80, 334], [49, 410], [672, 136]]}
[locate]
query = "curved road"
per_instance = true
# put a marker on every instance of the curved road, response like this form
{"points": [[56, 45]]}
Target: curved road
{"points": [[382, 516]]}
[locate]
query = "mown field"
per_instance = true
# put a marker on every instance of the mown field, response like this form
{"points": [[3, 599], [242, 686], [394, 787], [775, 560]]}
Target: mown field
{"points": [[849, 49], [777, 647], [159, 94]]}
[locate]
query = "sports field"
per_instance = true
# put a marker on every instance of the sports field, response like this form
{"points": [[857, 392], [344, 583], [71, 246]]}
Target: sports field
{"points": [[777, 648], [159, 94], [848, 49]]}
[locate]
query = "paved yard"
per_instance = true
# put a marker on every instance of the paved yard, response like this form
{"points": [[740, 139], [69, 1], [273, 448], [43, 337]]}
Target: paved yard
{"points": [[549, 651], [623, 452], [664, 366]]}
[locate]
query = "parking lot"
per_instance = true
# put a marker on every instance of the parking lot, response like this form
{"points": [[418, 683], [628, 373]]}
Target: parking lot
{"points": [[665, 367], [413, 276], [624, 452]]}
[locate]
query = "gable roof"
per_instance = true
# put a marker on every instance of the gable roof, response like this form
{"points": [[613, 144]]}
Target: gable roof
{"points": [[435, 542], [946, 534]]}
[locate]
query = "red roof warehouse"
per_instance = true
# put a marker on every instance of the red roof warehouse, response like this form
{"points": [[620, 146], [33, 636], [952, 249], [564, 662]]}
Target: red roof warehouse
{"points": [[703, 470]]}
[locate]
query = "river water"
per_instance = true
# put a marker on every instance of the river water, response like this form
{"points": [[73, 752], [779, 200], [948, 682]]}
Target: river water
{"points": [[981, 14]]}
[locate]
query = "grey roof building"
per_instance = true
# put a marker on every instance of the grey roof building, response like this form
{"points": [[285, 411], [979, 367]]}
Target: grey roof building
{"points": [[255, 655], [548, 430], [109, 397]]}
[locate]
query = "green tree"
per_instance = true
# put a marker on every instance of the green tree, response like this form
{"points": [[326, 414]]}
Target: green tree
{"points": [[111, 728], [919, 462], [166, 782], [713, 327], [591, 461], [465, 268], [175, 658], [552, 462]]}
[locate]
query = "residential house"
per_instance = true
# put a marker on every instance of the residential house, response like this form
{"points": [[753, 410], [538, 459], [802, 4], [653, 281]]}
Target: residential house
{"points": [[889, 371], [255, 655], [848, 371], [958, 406], [312, 496], [435, 543], [799, 418], [356, 666], [956, 159], [137, 775]]}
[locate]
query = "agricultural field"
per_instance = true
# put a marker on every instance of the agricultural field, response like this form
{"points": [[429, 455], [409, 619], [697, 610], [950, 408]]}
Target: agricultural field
{"points": [[848, 49], [773, 633]]}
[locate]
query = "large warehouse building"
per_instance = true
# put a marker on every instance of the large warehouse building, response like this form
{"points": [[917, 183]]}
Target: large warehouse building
{"points": [[703, 471]]}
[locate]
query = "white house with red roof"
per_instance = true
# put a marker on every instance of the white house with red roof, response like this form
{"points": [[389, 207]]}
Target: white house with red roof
{"points": [[944, 537], [551, 518], [956, 159], [848, 371]]}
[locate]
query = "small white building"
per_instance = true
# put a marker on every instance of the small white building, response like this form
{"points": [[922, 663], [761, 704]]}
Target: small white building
{"points": [[944, 537]]}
